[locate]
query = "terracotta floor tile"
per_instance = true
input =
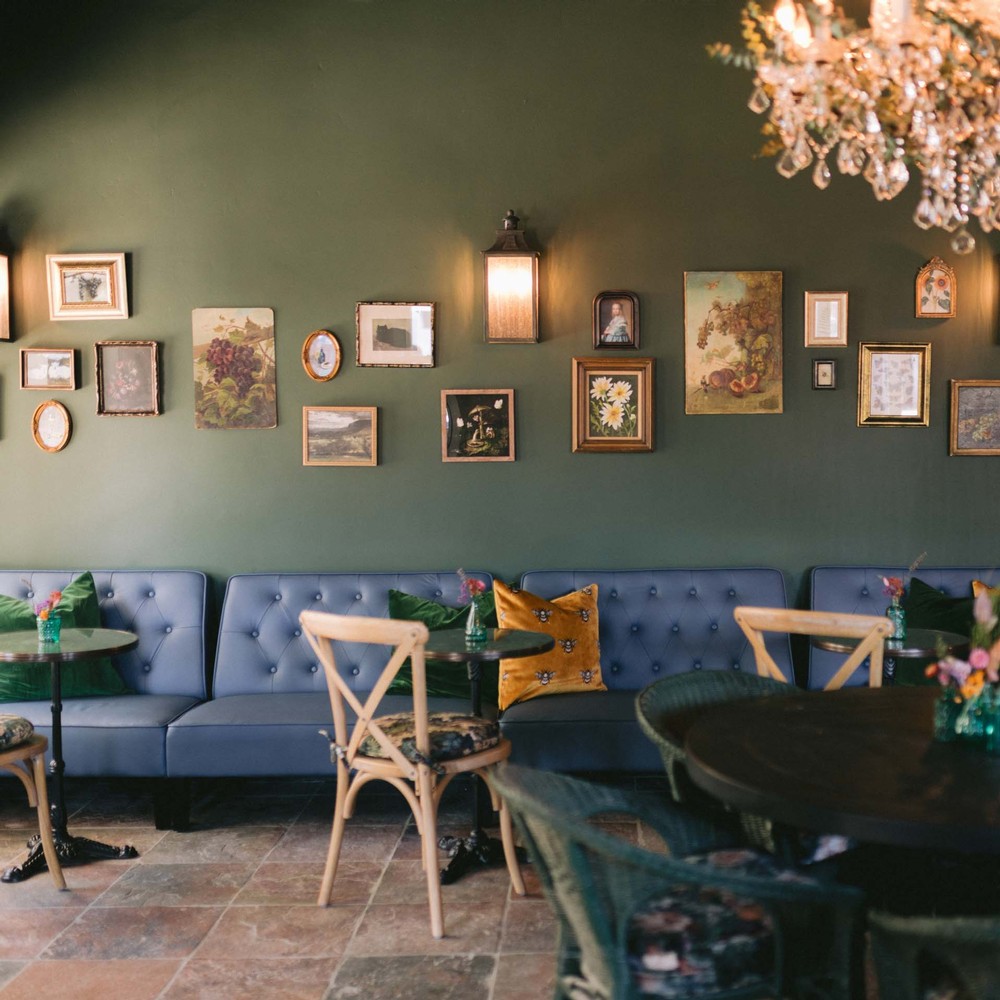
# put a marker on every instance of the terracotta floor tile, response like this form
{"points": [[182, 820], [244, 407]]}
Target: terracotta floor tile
{"points": [[85, 883], [253, 979], [134, 932], [9, 969], [259, 810], [281, 932], [405, 882], [136, 979], [361, 843], [529, 927], [525, 977], [212, 884], [442, 977], [239, 844], [28, 932], [406, 929], [298, 882]]}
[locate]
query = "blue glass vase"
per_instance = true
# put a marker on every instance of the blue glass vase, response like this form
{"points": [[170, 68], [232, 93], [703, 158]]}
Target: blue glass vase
{"points": [[896, 613], [49, 628]]}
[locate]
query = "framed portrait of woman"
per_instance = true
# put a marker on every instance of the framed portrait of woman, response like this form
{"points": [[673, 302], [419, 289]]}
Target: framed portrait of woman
{"points": [[616, 320]]}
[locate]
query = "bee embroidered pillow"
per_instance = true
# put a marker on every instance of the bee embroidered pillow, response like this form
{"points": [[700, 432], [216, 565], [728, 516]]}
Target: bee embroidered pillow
{"points": [[575, 662]]}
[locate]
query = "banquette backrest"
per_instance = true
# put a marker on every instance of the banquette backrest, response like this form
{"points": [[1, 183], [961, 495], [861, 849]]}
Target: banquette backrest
{"points": [[165, 608], [261, 647], [658, 622]]}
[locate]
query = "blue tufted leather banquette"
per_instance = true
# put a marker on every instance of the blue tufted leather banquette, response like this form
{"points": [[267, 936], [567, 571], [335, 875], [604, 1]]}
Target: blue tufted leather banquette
{"points": [[653, 623], [125, 735], [859, 590], [269, 696]]}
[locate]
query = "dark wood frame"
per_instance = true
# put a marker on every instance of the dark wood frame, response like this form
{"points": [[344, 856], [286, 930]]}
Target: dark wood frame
{"points": [[604, 298]]}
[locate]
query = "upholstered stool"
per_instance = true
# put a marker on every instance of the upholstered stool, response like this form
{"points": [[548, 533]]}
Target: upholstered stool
{"points": [[22, 753]]}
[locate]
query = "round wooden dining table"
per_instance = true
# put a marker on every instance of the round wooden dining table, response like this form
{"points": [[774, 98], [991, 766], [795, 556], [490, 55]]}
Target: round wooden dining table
{"points": [[859, 761]]}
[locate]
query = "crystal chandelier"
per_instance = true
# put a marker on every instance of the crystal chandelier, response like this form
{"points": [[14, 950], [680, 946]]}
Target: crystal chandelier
{"points": [[915, 93]]}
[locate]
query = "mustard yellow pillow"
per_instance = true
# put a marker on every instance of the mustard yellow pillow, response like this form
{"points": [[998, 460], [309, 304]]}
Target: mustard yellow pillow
{"points": [[978, 587], [575, 662]]}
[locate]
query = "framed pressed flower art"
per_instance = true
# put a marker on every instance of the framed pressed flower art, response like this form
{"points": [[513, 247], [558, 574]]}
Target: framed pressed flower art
{"points": [[128, 382], [612, 404]]}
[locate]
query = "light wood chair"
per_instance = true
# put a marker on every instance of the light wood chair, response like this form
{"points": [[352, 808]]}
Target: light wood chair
{"points": [[26, 761], [871, 630], [415, 752]]}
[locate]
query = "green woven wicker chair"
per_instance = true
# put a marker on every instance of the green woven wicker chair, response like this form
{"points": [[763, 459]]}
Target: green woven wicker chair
{"points": [[926, 958], [704, 922]]}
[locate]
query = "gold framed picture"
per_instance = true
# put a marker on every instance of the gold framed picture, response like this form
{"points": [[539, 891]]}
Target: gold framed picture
{"points": [[87, 286], [612, 404], [340, 435], [48, 368], [894, 385], [50, 425], [826, 319], [321, 355], [974, 427], [936, 290]]}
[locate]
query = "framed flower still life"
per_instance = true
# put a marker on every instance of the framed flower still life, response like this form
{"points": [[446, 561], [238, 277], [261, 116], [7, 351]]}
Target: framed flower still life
{"points": [[612, 405], [616, 320], [477, 425], [128, 381], [894, 385], [936, 290], [975, 417]]}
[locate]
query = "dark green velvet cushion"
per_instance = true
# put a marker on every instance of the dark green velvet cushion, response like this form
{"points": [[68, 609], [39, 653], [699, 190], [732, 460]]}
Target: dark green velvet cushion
{"points": [[78, 608], [927, 607], [445, 680]]}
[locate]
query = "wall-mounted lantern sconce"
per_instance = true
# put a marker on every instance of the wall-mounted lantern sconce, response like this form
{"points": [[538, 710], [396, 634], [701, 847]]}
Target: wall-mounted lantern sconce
{"points": [[4, 298], [511, 300]]}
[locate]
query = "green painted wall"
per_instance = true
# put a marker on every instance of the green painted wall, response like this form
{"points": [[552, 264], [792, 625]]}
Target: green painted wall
{"points": [[308, 154]]}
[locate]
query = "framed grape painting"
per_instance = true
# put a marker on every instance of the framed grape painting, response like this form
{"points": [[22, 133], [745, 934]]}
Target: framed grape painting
{"points": [[234, 371]]}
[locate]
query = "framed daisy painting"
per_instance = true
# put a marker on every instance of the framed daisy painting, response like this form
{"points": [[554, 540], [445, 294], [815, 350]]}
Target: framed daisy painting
{"points": [[612, 405]]}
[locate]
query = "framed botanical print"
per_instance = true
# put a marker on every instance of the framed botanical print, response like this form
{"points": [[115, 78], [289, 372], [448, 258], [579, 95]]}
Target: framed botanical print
{"points": [[48, 368], [975, 417], [340, 435], [936, 290], [477, 425], [87, 286], [894, 385], [612, 404], [395, 334], [616, 320], [128, 379]]}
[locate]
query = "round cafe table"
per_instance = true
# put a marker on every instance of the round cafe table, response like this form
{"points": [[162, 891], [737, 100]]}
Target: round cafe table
{"points": [[919, 644], [479, 849], [75, 644]]}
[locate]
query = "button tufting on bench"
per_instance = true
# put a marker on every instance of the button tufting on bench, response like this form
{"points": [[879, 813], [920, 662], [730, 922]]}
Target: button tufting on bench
{"points": [[675, 628], [152, 593], [277, 597], [652, 591], [313, 669], [736, 666], [355, 671], [272, 670], [635, 628], [656, 668], [614, 593], [168, 629], [732, 593], [318, 597], [696, 664], [357, 597], [146, 667], [297, 633], [255, 634], [692, 592], [864, 591], [111, 593], [714, 626]]}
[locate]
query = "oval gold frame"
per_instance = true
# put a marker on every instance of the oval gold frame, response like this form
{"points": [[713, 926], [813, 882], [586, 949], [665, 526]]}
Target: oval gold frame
{"points": [[39, 415], [307, 362]]}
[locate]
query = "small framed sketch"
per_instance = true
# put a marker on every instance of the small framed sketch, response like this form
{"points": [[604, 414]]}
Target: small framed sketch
{"points": [[321, 355], [395, 334], [616, 320], [612, 405], [127, 376], [936, 290], [826, 319], [975, 417], [50, 426], [87, 286], [477, 425], [48, 368], [894, 385], [340, 435], [824, 374]]}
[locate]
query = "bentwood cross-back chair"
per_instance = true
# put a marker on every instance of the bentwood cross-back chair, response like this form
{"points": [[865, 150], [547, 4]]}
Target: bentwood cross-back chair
{"points": [[705, 921], [22, 753], [871, 630], [416, 752]]}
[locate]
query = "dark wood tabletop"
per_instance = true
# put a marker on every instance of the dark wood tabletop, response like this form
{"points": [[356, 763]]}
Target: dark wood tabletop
{"points": [[858, 761]]}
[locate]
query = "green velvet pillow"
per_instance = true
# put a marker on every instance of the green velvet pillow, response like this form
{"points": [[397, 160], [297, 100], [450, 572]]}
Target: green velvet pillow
{"points": [[78, 608], [927, 607], [445, 680]]}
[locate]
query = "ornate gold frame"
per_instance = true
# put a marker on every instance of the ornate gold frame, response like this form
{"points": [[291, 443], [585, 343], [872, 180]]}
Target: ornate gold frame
{"points": [[935, 264], [957, 385], [307, 362], [872, 384], [36, 420], [584, 369]]}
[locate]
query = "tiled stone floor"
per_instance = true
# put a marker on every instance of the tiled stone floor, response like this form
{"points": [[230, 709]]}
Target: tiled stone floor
{"points": [[227, 910]]}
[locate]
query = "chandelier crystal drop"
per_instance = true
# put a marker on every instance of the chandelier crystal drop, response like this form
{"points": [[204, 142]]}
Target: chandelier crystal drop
{"points": [[913, 95]]}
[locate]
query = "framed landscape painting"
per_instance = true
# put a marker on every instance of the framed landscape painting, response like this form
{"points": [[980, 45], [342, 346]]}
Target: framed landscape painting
{"points": [[733, 342], [975, 417], [234, 372], [477, 425], [612, 404], [339, 435]]}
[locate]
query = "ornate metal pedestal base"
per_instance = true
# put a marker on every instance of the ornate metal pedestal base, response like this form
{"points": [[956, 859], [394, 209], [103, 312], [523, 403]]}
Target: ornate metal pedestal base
{"points": [[478, 850], [71, 850]]}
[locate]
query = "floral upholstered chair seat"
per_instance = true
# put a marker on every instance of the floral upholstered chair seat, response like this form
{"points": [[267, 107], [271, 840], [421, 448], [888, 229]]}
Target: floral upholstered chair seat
{"points": [[452, 735]]}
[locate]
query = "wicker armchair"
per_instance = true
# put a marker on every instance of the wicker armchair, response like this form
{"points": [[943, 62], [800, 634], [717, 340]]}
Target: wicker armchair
{"points": [[701, 922], [921, 957]]}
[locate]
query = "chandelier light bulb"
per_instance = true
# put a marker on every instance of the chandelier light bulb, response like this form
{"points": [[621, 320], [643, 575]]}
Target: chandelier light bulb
{"points": [[785, 16]]}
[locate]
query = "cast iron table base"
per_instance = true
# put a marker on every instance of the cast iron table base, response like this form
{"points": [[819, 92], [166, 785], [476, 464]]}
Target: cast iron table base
{"points": [[71, 850], [478, 850]]}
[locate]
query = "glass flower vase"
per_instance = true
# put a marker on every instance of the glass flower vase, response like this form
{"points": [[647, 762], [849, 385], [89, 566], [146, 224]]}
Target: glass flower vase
{"points": [[49, 628], [475, 630], [896, 613], [946, 712]]}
